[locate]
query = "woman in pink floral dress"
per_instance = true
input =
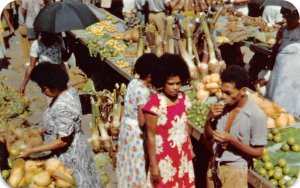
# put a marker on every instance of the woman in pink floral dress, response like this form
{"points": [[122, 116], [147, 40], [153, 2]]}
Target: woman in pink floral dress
{"points": [[131, 169], [168, 138]]}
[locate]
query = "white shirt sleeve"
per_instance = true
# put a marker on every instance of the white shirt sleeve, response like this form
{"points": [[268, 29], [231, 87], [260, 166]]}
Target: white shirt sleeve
{"points": [[34, 49]]}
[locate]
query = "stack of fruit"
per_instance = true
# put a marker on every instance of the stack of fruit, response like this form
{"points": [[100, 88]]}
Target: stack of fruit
{"points": [[277, 116], [197, 114], [279, 163]]}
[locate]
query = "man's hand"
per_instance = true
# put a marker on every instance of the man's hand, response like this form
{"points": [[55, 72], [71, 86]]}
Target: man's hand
{"points": [[222, 136], [216, 110]]}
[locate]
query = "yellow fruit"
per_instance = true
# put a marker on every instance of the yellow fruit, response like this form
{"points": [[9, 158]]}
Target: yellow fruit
{"points": [[296, 147], [285, 147], [281, 182], [5, 173], [271, 172], [278, 168], [291, 141], [282, 162], [274, 182], [277, 175], [286, 170], [275, 131], [270, 136], [265, 158], [268, 165], [282, 120], [265, 151], [14, 152], [290, 182], [277, 138], [262, 171]]}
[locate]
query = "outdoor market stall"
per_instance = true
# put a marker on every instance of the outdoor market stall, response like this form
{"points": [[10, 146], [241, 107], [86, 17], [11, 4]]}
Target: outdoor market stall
{"points": [[253, 33], [104, 41]]}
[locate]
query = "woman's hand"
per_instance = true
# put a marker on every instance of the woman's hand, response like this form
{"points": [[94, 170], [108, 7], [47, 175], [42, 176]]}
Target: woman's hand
{"points": [[154, 174], [24, 154], [22, 90], [193, 155]]}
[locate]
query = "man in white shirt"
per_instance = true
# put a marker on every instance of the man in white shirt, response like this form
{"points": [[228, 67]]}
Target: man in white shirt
{"points": [[30, 10]]}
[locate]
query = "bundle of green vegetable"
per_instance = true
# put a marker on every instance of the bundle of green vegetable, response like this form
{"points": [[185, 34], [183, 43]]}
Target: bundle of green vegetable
{"points": [[13, 108]]}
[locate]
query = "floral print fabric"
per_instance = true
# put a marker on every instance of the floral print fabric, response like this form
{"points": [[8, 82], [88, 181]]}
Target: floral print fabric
{"points": [[173, 152], [131, 172], [63, 118], [52, 54]]}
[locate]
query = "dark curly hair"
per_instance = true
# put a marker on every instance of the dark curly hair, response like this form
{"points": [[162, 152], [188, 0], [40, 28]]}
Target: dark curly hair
{"points": [[237, 75], [50, 75], [145, 64], [170, 65]]}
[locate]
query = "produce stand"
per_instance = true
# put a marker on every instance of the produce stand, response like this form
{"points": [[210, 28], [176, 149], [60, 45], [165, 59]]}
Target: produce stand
{"points": [[254, 179], [82, 36]]}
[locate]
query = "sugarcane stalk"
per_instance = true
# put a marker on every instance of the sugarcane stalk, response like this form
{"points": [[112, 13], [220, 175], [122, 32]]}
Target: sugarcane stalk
{"points": [[169, 33], [140, 50], [187, 57], [213, 62], [95, 137], [188, 33]]}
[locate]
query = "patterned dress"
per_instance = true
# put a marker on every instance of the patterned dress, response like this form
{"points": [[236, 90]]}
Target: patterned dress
{"points": [[63, 118], [52, 53], [173, 152], [131, 156]]}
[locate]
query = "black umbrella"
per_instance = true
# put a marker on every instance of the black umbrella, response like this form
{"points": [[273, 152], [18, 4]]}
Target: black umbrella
{"points": [[64, 16]]}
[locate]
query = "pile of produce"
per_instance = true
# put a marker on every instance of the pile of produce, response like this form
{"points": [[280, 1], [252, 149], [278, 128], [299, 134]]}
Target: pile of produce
{"points": [[106, 119], [50, 173], [280, 161], [106, 108], [19, 139], [277, 116], [107, 42], [13, 108]]}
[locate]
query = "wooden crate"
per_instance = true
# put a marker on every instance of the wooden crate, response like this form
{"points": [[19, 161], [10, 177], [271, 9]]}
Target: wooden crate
{"points": [[256, 181]]}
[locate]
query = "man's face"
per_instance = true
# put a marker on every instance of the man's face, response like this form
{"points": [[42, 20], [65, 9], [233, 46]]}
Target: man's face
{"points": [[231, 95]]}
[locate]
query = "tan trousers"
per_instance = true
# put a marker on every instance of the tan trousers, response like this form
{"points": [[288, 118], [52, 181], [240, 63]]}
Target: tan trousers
{"points": [[230, 177], [24, 41], [159, 20]]}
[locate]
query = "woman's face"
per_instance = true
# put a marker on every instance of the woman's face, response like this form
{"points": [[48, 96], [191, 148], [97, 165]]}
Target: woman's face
{"points": [[172, 86], [48, 92]]}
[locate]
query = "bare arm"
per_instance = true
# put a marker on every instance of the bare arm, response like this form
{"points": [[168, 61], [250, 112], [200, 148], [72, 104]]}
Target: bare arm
{"points": [[189, 130], [50, 146], [141, 117], [215, 111], [151, 124], [33, 62], [251, 151], [240, 1]]}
